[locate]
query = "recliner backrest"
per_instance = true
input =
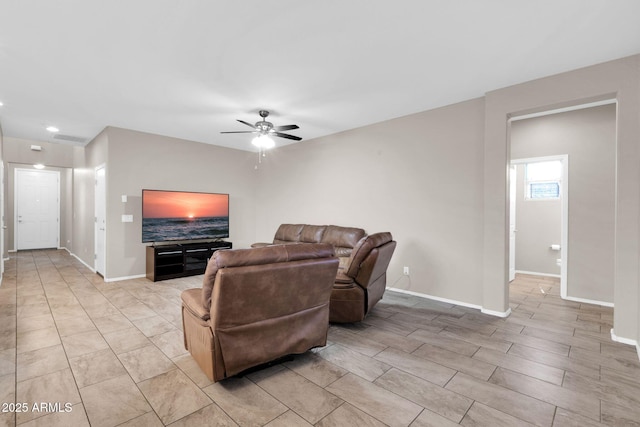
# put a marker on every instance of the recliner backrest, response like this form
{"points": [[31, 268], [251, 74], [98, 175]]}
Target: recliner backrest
{"points": [[370, 258]]}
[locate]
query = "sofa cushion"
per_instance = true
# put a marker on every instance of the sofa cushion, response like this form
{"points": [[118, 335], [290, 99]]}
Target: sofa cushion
{"points": [[288, 233], [312, 233], [343, 239]]}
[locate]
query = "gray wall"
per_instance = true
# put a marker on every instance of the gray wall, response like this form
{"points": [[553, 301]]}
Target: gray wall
{"points": [[618, 79], [588, 136], [138, 160], [57, 157], [539, 226], [419, 177]]}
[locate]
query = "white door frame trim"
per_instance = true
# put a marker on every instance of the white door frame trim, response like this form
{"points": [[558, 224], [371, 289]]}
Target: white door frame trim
{"points": [[564, 191], [95, 219]]}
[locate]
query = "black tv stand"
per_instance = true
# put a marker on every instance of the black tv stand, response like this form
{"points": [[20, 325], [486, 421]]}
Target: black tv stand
{"points": [[181, 259]]}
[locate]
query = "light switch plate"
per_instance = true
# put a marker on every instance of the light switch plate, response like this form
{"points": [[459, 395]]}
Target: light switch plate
{"points": [[127, 218]]}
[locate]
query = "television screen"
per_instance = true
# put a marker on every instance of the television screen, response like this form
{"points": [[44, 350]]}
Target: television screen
{"points": [[182, 215]]}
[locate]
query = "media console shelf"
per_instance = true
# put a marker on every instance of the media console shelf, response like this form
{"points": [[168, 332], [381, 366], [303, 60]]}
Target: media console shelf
{"points": [[180, 260]]}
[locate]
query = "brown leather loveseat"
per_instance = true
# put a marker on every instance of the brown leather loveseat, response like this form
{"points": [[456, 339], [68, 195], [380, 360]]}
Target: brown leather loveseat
{"points": [[362, 276], [258, 305]]}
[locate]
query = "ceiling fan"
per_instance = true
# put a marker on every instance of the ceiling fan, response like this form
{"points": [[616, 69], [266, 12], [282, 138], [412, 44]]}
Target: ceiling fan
{"points": [[265, 128]]}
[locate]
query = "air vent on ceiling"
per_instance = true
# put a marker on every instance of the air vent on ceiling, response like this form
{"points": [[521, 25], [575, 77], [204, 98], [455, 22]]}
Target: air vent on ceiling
{"points": [[71, 138]]}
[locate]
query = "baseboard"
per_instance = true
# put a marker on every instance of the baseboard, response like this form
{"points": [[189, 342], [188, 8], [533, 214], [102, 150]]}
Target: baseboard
{"points": [[93, 270], [589, 301], [119, 279], [497, 313], [627, 341], [535, 273], [447, 300]]}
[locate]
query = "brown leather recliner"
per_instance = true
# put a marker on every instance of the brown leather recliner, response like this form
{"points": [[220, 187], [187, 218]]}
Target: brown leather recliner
{"points": [[361, 284], [258, 305]]}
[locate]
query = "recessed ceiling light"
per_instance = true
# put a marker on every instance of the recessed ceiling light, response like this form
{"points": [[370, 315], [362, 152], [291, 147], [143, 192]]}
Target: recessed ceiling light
{"points": [[1, 104], [53, 129], [38, 166]]}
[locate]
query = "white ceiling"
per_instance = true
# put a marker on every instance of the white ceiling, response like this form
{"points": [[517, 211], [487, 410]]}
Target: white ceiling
{"points": [[190, 68]]}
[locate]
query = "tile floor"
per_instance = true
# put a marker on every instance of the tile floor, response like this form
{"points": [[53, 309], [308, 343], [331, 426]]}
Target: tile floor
{"points": [[107, 354]]}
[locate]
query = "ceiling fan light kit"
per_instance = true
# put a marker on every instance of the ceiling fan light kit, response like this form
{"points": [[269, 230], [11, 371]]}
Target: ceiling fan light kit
{"points": [[265, 131]]}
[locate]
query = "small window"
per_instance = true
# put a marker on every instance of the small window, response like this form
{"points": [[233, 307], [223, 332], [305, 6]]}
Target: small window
{"points": [[542, 180]]}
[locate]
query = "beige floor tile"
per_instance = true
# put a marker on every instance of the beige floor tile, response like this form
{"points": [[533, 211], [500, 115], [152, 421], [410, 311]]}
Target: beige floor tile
{"points": [[96, 367], [305, 398], [472, 337], [586, 368], [7, 361], [398, 342], [83, 343], [356, 342], [151, 326], [355, 362], [566, 418], [316, 369], [375, 400], [113, 401], [40, 309], [550, 393], [482, 415], [146, 362], [150, 419], [112, 323], [7, 389], [104, 309], [173, 395], [171, 343], [618, 415], [137, 311], [246, 403], [75, 416], [75, 325], [42, 321], [205, 416], [531, 341], [523, 366], [431, 419], [126, 340], [190, 367], [348, 415], [39, 362], [35, 339], [8, 338], [417, 366], [504, 400], [474, 367], [58, 387], [452, 344], [447, 403], [289, 419]]}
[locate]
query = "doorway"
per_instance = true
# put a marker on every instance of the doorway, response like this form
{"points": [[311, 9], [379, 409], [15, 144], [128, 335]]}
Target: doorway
{"points": [[100, 221], [540, 185], [37, 209]]}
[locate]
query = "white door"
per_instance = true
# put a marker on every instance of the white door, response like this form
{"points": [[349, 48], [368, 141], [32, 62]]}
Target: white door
{"points": [[512, 222], [100, 220], [37, 209]]}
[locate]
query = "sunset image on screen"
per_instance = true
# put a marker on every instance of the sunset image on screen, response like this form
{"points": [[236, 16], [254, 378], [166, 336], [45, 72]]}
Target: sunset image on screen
{"points": [[169, 204], [177, 215]]}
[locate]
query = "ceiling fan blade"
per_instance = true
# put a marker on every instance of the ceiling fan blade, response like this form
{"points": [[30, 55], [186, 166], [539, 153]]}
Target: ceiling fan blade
{"points": [[246, 123], [242, 131], [286, 135], [285, 127]]}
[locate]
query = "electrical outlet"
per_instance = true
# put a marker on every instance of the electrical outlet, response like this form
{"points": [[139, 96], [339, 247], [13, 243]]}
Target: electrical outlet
{"points": [[405, 271]]}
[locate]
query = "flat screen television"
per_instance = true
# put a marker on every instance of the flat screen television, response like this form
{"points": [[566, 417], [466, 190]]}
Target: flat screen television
{"points": [[184, 215]]}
